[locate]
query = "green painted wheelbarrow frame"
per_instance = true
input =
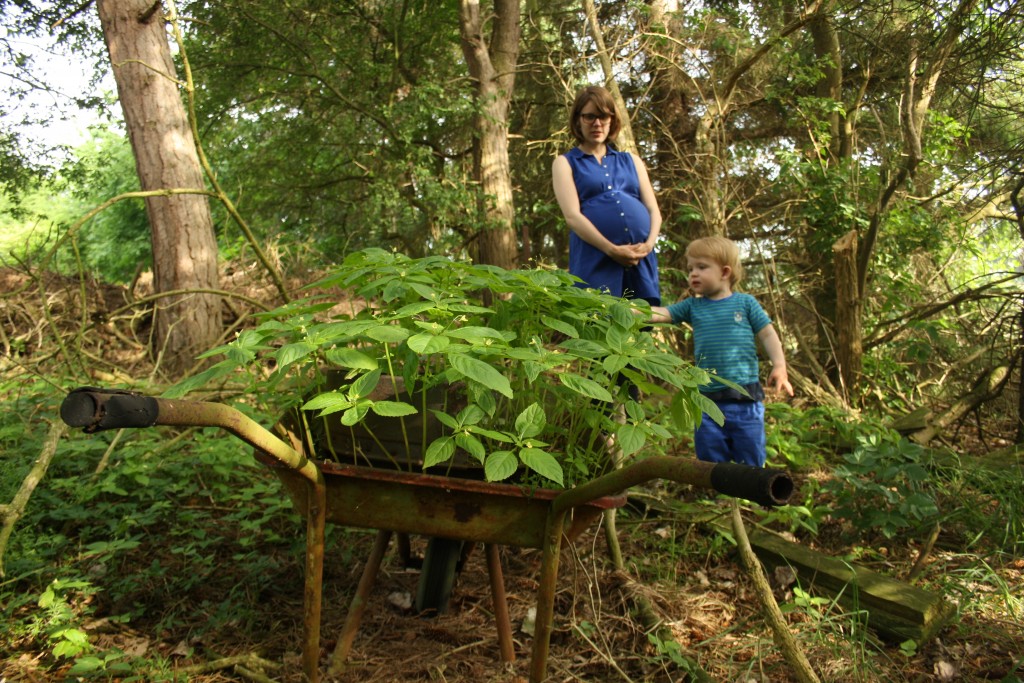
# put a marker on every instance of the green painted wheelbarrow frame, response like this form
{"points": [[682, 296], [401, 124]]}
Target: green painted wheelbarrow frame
{"points": [[437, 506]]}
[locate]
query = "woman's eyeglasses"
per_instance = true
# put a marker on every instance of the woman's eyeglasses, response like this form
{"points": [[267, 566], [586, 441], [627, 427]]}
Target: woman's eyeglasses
{"points": [[590, 118]]}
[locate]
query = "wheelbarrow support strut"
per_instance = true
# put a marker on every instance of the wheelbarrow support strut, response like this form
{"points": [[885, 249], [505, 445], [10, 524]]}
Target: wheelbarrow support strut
{"points": [[99, 409]]}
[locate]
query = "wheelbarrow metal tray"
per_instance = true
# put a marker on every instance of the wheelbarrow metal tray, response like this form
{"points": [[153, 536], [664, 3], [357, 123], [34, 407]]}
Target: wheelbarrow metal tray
{"points": [[432, 505]]}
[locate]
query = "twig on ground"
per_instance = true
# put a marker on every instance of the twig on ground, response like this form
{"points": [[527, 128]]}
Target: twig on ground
{"points": [[783, 638], [12, 512]]}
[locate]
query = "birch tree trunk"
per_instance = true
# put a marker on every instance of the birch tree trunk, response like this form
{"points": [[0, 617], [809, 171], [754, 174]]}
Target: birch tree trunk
{"points": [[493, 69], [184, 245]]}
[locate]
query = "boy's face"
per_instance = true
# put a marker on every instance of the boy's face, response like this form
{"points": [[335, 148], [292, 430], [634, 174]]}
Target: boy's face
{"points": [[708, 278]]}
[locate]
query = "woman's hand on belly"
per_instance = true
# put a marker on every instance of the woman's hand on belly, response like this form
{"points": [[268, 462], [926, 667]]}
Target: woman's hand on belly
{"points": [[627, 255]]}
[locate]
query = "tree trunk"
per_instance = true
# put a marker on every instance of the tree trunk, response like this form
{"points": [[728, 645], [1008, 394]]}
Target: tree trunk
{"points": [[184, 245], [493, 70], [849, 351], [625, 140]]}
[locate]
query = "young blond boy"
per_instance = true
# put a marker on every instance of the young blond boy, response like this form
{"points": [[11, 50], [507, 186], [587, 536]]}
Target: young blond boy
{"points": [[725, 324]]}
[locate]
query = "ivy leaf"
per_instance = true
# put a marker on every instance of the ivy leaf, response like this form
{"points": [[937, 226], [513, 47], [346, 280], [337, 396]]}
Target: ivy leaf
{"points": [[543, 463], [500, 465]]}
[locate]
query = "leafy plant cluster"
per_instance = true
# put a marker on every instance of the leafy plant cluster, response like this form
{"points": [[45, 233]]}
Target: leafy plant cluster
{"points": [[883, 486], [122, 527], [533, 366]]}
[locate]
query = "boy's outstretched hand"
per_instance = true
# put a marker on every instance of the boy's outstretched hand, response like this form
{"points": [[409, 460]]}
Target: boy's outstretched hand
{"points": [[778, 380]]}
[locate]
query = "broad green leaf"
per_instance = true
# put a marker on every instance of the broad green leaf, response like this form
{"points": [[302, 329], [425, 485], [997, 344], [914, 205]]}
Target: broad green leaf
{"points": [[620, 339], [427, 343], [289, 353], [614, 363], [471, 445], [585, 386], [622, 314], [350, 358], [584, 348], [476, 333], [195, 381], [531, 421], [423, 290], [414, 309], [471, 414], [393, 408], [711, 408], [481, 372], [328, 403], [445, 419], [441, 450], [353, 415], [560, 326], [388, 334], [500, 465], [493, 435], [365, 385], [543, 463], [630, 439]]}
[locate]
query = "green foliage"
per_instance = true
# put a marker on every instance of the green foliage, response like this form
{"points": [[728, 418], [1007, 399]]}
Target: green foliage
{"points": [[116, 242], [532, 365], [165, 518], [884, 486]]}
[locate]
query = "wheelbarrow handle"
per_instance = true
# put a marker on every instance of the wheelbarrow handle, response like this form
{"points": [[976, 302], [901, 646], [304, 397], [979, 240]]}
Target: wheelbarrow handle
{"points": [[96, 409], [764, 486]]}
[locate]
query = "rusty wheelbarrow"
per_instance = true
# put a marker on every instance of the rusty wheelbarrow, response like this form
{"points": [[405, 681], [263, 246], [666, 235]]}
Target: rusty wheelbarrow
{"points": [[414, 503]]}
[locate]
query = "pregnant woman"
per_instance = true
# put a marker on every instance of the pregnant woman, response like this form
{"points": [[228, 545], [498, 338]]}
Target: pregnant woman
{"points": [[609, 204]]}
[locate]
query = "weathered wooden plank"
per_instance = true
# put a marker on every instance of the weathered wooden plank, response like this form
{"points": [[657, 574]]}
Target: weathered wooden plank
{"points": [[894, 609]]}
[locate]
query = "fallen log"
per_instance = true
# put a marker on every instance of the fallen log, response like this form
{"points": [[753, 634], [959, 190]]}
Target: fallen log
{"points": [[895, 610]]}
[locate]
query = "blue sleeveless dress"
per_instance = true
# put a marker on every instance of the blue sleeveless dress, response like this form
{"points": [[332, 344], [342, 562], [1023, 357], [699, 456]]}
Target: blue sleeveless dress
{"points": [[609, 194]]}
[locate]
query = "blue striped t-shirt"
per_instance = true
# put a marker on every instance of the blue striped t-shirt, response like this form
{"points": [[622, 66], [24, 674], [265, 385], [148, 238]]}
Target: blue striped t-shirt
{"points": [[724, 335]]}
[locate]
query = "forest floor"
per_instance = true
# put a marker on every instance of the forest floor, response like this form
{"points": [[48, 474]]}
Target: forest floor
{"points": [[705, 598], [686, 571]]}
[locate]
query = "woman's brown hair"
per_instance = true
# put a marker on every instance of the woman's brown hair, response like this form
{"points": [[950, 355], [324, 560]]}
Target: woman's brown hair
{"points": [[602, 99]]}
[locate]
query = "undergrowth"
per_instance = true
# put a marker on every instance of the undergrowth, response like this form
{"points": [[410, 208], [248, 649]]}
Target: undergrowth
{"points": [[180, 538]]}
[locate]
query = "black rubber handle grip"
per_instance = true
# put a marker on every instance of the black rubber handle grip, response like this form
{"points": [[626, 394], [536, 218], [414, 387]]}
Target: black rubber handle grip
{"points": [[98, 409], [764, 486]]}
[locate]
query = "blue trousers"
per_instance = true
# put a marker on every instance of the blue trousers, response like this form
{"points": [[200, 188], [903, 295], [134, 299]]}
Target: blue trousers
{"points": [[740, 439]]}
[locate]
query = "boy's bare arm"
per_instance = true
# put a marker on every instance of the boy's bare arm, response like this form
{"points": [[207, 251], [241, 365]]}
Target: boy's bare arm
{"points": [[778, 378], [659, 314]]}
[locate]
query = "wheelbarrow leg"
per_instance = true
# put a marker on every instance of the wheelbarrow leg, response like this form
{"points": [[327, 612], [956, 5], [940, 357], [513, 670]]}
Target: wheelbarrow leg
{"points": [[546, 595], [316, 520], [501, 619], [358, 604]]}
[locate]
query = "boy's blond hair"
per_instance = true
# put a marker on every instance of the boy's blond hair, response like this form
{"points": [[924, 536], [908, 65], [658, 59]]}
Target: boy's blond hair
{"points": [[722, 251]]}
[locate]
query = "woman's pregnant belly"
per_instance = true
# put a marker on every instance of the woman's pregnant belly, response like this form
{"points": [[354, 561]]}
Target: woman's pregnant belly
{"points": [[621, 217]]}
